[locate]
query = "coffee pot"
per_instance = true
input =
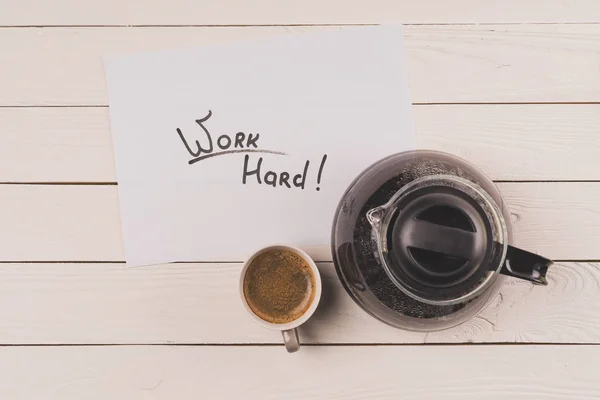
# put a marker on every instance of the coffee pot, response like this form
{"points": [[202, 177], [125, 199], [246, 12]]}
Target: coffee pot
{"points": [[422, 240]]}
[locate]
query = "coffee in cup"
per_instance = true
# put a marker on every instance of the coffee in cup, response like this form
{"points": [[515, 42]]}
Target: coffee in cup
{"points": [[281, 287]]}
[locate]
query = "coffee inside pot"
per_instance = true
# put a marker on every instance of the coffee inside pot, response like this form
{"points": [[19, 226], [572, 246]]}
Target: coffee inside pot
{"points": [[421, 240]]}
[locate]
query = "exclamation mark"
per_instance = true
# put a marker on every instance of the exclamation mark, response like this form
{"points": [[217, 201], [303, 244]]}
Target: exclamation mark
{"points": [[321, 171]]}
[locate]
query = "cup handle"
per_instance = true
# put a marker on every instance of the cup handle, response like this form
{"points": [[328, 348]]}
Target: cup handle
{"points": [[290, 338]]}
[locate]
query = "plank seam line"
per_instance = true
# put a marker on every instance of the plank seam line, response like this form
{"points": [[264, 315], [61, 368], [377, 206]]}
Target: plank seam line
{"points": [[75, 183], [582, 260], [291, 25], [123, 262], [420, 104], [348, 344]]}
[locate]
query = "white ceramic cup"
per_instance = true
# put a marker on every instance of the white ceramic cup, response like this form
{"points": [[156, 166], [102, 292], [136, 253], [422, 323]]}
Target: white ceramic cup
{"points": [[290, 334]]}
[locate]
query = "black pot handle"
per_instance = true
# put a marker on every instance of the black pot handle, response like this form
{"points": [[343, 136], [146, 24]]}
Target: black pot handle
{"points": [[525, 265]]}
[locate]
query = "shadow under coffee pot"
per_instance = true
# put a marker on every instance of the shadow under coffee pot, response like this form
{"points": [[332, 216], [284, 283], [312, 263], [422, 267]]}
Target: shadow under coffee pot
{"points": [[422, 241]]}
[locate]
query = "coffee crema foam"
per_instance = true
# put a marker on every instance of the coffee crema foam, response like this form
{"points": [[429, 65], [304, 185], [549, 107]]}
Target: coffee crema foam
{"points": [[279, 286]]}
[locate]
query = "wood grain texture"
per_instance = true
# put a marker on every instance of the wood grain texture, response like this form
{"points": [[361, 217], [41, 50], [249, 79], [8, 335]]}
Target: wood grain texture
{"points": [[447, 64], [81, 223], [56, 145], [220, 12], [107, 303], [199, 303], [508, 142], [411, 373]]}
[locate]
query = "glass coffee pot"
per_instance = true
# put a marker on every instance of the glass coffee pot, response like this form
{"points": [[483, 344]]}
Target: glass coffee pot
{"points": [[422, 241]]}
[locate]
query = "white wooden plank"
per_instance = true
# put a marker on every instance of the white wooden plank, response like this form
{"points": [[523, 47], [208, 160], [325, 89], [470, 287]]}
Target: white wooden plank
{"points": [[474, 63], [411, 373], [56, 145], [74, 144], [224, 12], [70, 223], [199, 303], [60, 223]]}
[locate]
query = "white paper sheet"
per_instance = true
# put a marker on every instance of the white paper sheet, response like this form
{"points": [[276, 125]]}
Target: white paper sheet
{"points": [[342, 93]]}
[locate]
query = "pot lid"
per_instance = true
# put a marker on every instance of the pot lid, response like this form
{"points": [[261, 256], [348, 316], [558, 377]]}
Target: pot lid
{"points": [[440, 239]]}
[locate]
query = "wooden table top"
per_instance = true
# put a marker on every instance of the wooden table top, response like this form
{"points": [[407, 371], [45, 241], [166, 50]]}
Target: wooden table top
{"points": [[511, 86]]}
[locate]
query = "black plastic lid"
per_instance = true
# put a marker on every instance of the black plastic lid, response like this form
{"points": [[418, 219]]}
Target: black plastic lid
{"points": [[438, 240]]}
